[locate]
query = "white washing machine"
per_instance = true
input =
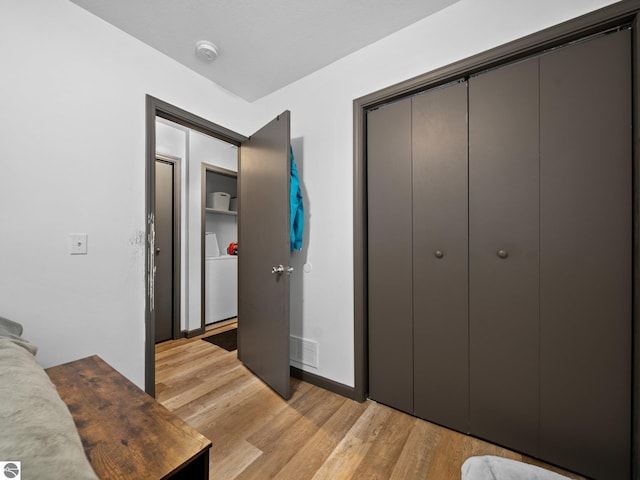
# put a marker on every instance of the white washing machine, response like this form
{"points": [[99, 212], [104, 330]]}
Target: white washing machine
{"points": [[221, 288]]}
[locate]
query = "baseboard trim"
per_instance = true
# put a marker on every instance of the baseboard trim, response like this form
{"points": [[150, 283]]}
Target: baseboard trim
{"points": [[325, 383], [194, 333]]}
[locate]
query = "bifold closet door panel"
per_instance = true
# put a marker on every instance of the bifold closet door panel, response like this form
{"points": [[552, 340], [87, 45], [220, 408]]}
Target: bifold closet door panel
{"points": [[586, 256], [504, 255], [440, 273], [390, 255]]}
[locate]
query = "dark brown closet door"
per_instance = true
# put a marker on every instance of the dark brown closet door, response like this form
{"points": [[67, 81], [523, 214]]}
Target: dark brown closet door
{"points": [[585, 269], [390, 255], [503, 255], [440, 260]]}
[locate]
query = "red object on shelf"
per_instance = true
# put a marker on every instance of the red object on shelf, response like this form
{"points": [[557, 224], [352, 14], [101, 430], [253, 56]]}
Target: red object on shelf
{"points": [[232, 249]]}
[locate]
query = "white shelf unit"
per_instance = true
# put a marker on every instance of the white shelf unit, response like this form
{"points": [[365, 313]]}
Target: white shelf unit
{"points": [[222, 212]]}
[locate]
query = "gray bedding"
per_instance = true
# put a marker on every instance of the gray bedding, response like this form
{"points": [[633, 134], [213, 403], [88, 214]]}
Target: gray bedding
{"points": [[37, 428], [489, 467]]}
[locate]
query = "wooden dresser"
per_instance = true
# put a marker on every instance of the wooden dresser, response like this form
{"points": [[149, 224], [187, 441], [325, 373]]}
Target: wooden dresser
{"points": [[125, 432]]}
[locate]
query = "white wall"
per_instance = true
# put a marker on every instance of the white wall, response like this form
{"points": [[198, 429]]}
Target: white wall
{"points": [[206, 149], [322, 130], [171, 139], [72, 91], [72, 121]]}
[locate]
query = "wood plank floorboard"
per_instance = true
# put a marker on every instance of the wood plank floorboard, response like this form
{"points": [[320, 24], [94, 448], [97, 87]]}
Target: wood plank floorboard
{"points": [[306, 462], [282, 438], [316, 435], [418, 452], [386, 447]]}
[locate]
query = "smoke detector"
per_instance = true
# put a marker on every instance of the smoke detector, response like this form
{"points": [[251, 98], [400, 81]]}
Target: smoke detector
{"points": [[206, 51]]}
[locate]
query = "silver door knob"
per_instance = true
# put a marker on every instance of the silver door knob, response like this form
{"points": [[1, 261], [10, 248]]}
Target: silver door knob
{"points": [[281, 269], [438, 254], [502, 253]]}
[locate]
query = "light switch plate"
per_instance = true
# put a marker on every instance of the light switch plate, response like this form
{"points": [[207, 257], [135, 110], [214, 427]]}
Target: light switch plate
{"points": [[77, 243]]}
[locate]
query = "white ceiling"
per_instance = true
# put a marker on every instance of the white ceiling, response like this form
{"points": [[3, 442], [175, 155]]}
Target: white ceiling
{"points": [[263, 45]]}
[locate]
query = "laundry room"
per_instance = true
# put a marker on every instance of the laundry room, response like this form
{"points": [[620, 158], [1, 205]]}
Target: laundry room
{"points": [[221, 235]]}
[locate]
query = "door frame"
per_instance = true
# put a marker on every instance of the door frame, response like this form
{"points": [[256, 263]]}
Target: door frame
{"points": [[176, 259], [159, 108], [622, 13]]}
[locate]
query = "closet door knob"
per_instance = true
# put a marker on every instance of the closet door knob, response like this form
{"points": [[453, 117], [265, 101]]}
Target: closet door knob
{"points": [[502, 253], [438, 254]]}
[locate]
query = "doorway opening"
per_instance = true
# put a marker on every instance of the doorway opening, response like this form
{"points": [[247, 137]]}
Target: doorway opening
{"points": [[158, 110], [264, 285]]}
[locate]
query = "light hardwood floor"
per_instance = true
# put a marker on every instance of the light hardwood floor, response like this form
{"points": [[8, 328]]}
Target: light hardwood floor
{"points": [[315, 435]]}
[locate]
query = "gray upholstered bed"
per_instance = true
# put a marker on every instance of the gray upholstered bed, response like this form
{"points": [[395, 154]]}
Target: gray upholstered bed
{"points": [[37, 428]]}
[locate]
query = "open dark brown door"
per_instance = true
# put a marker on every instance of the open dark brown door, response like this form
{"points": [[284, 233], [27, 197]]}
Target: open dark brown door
{"points": [[263, 254]]}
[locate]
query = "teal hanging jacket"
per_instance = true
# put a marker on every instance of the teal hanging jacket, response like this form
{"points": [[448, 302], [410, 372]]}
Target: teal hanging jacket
{"points": [[296, 206]]}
